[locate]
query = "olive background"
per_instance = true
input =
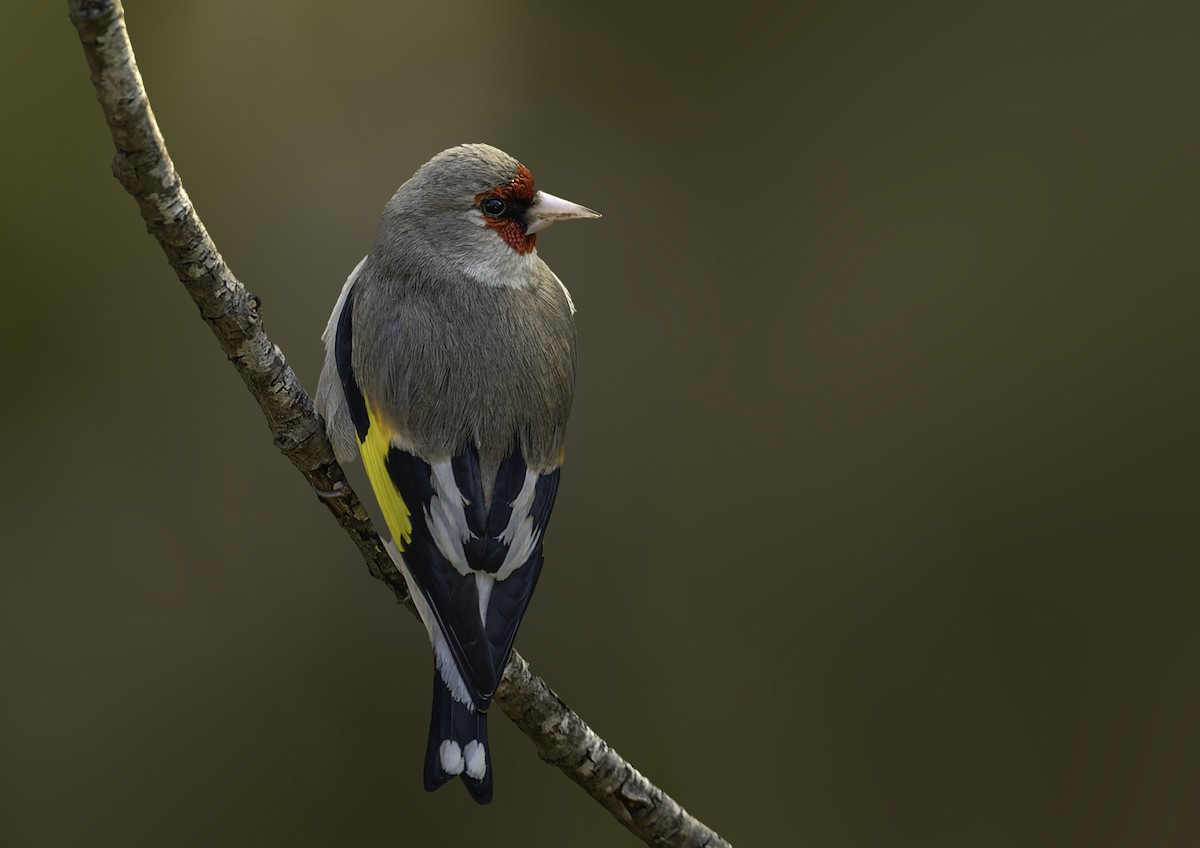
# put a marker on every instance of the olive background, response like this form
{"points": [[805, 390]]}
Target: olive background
{"points": [[879, 520]]}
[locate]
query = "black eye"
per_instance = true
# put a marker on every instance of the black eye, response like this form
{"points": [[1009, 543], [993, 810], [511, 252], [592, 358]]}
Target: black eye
{"points": [[493, 207]]}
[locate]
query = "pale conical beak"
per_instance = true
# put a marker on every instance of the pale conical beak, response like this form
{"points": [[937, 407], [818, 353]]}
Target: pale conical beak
{"points": [[546, 209]]}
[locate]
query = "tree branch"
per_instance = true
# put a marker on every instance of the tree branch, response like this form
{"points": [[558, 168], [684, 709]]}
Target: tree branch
{"points": [[144, 168]]}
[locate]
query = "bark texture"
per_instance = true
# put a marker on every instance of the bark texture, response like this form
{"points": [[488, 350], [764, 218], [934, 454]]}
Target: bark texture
{"points": [[144, 168]]}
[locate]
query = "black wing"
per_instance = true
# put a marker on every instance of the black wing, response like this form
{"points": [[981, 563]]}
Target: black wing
{"points": [[480, 649]]}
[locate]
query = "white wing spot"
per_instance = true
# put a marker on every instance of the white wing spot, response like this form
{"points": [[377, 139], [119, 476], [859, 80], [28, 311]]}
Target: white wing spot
{"points": [[448, 669], [483, 585], [451, 757], [446, 517], [475, 758], [520, 535]]}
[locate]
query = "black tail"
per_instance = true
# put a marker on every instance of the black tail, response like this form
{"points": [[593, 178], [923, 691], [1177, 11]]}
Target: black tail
{"points": [[463, 733]]}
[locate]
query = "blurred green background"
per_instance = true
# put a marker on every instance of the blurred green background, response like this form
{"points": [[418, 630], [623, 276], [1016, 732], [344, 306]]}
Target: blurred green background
{"points": [[879, 525]]}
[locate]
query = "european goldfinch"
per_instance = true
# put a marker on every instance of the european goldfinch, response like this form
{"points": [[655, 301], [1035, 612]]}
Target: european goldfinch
{"points": [[450, 367]]}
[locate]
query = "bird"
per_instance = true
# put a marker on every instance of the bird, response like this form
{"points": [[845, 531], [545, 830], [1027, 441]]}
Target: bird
{"points": [[450, 369]]}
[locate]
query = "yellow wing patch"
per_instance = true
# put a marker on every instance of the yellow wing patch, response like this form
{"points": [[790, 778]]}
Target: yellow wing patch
{"points": [[374, 449]]}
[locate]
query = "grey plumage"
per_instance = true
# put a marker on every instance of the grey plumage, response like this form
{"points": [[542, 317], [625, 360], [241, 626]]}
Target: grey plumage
{"points": [[450, 361], [446, 358]]}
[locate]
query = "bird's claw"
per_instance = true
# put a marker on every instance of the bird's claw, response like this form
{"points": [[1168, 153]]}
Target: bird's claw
{"points": [[337, 491]]}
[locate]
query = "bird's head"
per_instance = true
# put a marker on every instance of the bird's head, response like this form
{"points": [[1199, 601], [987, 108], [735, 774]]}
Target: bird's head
{"points": [[475, 208]]}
